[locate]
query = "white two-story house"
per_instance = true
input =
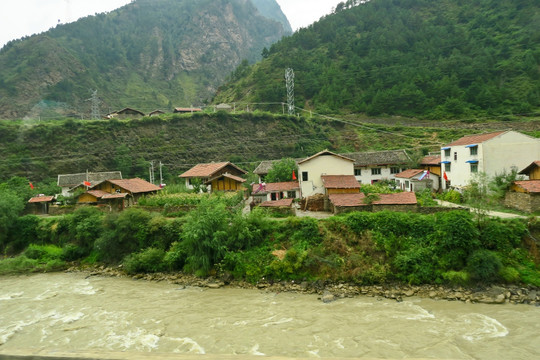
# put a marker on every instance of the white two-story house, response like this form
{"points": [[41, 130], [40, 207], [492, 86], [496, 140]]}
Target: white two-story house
{"points": [[492, 153], [312, 169]]}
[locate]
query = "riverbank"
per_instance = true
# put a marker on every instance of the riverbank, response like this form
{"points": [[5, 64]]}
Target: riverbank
{"points": [[328, 291]]}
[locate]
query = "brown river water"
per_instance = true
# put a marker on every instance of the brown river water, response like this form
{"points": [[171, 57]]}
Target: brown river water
{"points": [[67, 313]]}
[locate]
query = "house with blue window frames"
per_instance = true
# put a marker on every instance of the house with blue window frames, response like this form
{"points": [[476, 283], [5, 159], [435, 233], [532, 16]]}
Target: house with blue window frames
{"points": [[490, 153]]}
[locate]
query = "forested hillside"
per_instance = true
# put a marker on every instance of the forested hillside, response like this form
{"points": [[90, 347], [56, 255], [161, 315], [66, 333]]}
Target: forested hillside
{"points": [[433, 59], [146, 55]]}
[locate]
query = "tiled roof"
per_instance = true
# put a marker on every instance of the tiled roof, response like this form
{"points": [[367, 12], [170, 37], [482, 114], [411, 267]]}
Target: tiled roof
{"points": [[187, 109], [531, 186], [136, 185], [278, 203], [115, 196], [70, 180], [476, 139], [408, 174], [208, 170], [40, 199], [280, 186], [530, 168], [97, 193], [379, 158], [433, 160], [353, 200], [266, 165], [340, 182], [323, 153], [232, 177]]}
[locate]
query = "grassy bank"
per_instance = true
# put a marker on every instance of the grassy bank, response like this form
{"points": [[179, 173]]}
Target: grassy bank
{"points": [[215, 239]]}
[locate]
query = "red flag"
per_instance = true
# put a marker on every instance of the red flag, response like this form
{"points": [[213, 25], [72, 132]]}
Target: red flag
{"points": [[31, 186], [87, 183], [445, 177], [293, 175]]}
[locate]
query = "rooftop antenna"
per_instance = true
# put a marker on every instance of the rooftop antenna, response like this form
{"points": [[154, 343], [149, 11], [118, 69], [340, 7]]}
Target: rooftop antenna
{"points": [[289, 78]]}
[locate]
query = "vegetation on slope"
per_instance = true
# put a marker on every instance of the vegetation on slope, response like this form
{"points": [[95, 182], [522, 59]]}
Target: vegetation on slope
{"points": [[433, 59]]}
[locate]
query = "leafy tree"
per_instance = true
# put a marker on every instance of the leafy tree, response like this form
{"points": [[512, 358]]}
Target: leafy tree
{"points": [[282, 170], [11, 206]]}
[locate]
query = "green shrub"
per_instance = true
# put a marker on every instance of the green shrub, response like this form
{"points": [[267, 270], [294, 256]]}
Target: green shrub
{"points": [[456, 277], [484, 266], [451, 196], [425, 198], [43, 253], [176, 257], [416, 265], [250, 265], [291, 267], [150, 260], [72, 252], [502, 235], [509, 274], [24, 232], [19, 264]]}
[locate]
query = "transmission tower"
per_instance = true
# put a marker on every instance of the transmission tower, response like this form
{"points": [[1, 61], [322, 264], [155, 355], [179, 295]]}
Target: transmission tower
{"points": [[95, 105], [289, 78]]}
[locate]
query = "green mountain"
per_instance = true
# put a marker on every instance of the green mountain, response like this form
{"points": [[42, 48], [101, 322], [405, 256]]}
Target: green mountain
{"points": [[146, 55], [424, 58]]}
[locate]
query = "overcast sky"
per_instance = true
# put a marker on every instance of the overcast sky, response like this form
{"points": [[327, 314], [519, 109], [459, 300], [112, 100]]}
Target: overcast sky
{"points": [[19, 18]]}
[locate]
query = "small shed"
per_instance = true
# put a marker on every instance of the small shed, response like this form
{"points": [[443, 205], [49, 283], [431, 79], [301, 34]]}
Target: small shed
{"points": [[39, 205], [524, 195], [275, 191], [340, 184]]}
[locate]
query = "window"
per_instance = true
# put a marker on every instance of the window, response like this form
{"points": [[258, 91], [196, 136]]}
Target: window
{"points": [[273, 196], [474, 150], [446, 152], [474, 168], [291, 194], [305, 176], [376, 171], [357, 172], [394, 170], [447, 167], [455, 155]]}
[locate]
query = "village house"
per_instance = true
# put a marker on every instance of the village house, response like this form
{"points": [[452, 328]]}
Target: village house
{"points": [[312, 169], [340, 184], [190, 110], [69, 182], [39, 205], [374, 166], [119, 194], [222, 176], [275, 191], [492, 154], [524, 195], [127, 113], [417, 180], [432, 163]]}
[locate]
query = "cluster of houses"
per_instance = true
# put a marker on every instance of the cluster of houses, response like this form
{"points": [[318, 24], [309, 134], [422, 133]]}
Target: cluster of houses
{"points": [[336, 178]]}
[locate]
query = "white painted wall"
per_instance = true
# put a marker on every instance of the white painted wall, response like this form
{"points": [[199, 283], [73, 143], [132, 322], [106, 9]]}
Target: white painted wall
{"points": [[386, 174], [495, 156], [322, 165]]}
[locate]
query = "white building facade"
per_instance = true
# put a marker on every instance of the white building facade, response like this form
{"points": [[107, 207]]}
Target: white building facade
{"points": [[326, 162], [492, 154]]}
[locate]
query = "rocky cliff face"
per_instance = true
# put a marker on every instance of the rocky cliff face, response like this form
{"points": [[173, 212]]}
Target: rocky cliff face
{"points": [[145, 55]]}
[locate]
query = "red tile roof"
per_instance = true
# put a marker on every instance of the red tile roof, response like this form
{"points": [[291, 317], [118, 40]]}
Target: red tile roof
{"points": [[279, 186], [97, 193], [136, 185], [531, 186], [340, 182], [208, 170], [476, 139], [325, 152], [39, 199], [407, 174], [350, 200], [278, 203], [431, 160], [530, 168]]}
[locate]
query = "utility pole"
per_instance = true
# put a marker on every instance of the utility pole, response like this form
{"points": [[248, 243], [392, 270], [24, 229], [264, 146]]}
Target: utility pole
{"points": [[289, 78], [152, 177], [160, 174]]}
